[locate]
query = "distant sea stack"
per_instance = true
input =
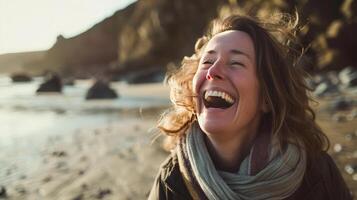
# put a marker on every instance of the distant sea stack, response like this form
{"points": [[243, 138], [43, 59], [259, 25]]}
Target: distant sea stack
{"points": [[20, 78], [101, 90], [150, 34], [52, 83]]}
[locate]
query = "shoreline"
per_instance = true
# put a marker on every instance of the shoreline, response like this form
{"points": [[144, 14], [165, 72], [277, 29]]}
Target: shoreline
{"points": [[119, 160]]}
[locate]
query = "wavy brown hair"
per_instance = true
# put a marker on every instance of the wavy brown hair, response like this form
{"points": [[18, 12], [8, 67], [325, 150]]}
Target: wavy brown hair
{"points": [[282, 82]]}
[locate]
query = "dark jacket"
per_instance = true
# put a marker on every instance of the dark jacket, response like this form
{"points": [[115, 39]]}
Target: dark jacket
{"points": [[322, 181]]}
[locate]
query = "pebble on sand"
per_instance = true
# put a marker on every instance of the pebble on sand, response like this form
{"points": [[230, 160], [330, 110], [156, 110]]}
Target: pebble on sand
{"points": [[337, 148], [350, 169], [102, 193], [3, 193]]}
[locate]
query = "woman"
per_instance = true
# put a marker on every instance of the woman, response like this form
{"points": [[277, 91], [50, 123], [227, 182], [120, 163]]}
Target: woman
{"points": [[242, 123]]}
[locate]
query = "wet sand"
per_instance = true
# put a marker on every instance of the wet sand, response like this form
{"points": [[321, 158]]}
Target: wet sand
{"points": [[120, 160], [116, 162]]}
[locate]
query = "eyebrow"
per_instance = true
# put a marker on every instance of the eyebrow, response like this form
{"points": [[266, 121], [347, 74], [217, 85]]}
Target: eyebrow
{"points": [[233, 51]]}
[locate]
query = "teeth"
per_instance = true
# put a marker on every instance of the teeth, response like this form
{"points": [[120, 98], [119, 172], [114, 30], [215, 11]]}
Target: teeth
{"points": [[220, 94]]}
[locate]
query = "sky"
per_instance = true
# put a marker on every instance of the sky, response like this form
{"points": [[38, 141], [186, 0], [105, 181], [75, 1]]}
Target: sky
{"points": [[32, 25]]}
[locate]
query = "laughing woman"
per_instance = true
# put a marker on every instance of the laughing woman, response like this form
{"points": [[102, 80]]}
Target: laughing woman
{"points": [[242, 123]]}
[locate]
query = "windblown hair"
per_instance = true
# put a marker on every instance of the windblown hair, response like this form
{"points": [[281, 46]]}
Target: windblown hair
{"points": [[282, 82]]}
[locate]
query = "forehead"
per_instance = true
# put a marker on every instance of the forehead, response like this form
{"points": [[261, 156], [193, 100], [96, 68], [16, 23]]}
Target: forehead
{"points": [[232, 40]]}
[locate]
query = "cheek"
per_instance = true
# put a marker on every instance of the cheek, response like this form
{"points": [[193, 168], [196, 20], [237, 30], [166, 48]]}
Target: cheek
{"points": [[197, 81], [253, 96]]}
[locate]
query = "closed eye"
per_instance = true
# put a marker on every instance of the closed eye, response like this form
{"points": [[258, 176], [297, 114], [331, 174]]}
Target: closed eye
{"points": [[235, 63]]}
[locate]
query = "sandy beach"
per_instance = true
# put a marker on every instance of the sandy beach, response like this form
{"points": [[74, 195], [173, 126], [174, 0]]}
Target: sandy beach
{"points": [[113, 162], [120, 159]]}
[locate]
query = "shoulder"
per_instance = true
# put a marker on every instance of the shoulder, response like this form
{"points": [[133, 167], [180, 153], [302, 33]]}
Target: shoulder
{"points": [[332, 179], [323, 180], [169, 183], [169, 167], [329, 173]]}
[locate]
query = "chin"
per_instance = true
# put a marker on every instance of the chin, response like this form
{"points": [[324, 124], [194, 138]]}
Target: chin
{"points": [[212, 127]]}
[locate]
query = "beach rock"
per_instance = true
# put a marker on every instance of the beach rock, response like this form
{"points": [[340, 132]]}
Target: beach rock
{"points": [[84, 186], [21, 77], [78, 197], [23, 177], [351, 168], [81, 172], [352, 115], [339, 117], [59, 111], [62, 166], [47, 179], [20, 189], [326, 88], [9, 171], [345, 73], [102, 193], [3, 193], [350, 136], [59, 153], [52, 83], [352, 81], [337, 148], [341, 104], [348, 76], [101, 90]]}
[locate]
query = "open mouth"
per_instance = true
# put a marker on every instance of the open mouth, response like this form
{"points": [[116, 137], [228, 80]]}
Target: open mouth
{"points": [[217, 99]]}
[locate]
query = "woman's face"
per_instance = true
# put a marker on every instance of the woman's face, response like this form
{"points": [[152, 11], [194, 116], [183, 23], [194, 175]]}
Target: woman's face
{"points": [[227, 86]]}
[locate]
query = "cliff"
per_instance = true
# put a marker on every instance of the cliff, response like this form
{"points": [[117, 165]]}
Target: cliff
{"points": [[146, 35], [20, 62], [150, 34]]}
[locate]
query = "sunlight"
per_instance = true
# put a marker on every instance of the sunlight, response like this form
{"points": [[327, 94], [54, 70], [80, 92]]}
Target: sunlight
{"points": [[34, 25]]}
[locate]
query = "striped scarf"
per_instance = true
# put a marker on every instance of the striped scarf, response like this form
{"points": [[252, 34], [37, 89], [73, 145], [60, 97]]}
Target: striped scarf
{"points": [[264, 174]]}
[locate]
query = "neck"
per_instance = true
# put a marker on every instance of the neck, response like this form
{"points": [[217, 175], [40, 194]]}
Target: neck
{"points": [[227, 153]]}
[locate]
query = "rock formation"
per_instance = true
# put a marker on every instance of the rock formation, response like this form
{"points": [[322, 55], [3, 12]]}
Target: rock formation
{"points": [[101, 90], [52, 83], [144, 36], [149, 34], [20, 77]]}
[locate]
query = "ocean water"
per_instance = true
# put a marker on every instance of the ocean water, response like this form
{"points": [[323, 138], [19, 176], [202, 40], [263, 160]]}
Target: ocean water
{"points": [[28, 121]]}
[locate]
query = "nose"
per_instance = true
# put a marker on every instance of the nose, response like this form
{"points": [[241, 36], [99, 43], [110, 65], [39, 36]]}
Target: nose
{"points": [[215, 72]]}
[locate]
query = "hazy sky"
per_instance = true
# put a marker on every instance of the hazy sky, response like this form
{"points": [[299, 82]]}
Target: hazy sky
{"points": [[29, 25]]}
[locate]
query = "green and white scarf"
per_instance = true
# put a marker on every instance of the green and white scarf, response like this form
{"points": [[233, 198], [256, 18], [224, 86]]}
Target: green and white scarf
{"points": [[279, 179]]}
